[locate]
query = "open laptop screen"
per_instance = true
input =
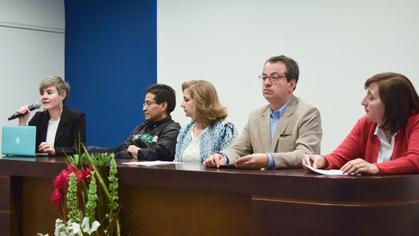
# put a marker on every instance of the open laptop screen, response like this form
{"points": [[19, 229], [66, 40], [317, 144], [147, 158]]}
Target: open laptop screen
{"points": [[19, 140]]}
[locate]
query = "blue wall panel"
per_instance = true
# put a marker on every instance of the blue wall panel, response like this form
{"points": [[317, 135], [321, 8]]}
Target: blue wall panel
{"points": [[110, 59]]}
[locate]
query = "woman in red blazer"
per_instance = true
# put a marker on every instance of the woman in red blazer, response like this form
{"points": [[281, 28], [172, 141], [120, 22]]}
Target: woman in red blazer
{"points": [[386, 139]]}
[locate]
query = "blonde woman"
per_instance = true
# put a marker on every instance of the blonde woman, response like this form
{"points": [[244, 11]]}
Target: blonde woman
{"points": [[208, 132], [58, 129]]}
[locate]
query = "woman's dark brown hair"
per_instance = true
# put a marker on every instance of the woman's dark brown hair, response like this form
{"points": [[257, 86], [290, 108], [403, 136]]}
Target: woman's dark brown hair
{"points": [[399, 98]]}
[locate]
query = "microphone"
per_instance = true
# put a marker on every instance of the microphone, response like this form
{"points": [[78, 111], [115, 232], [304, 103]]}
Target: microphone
{"points": [[31, 108]]}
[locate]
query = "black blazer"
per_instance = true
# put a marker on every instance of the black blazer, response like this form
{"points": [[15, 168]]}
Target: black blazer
{"points": [[71, 129]]}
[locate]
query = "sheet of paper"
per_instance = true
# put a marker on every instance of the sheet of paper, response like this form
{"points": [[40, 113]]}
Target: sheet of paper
{"points": [[149, 163], [326, 172]]}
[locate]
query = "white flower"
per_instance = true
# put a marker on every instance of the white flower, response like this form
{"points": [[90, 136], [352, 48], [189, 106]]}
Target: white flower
{"points": [[60, 228], [74, 228], [87, 228]]}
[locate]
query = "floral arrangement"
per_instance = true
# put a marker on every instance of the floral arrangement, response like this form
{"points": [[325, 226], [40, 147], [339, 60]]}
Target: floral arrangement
{"points": [[87, 202]]}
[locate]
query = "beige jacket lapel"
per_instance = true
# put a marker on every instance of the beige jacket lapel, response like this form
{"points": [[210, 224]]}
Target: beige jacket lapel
{"points": [[265, 129], [281, 128]]}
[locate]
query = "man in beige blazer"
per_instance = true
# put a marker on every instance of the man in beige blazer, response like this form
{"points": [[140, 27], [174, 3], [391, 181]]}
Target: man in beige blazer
{"points": [[279, 134]]}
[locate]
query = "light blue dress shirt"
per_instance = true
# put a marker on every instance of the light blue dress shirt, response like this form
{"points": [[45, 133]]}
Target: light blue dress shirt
{"points": [[274, 118]]}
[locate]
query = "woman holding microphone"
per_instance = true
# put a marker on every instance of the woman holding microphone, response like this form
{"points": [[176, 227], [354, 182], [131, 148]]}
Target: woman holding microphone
{"points": [[58, 129]]}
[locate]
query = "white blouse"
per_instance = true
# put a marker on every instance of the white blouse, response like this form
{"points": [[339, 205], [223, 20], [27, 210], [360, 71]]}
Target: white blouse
{"points": [[52, 131], [192, 151], [386, 148]]}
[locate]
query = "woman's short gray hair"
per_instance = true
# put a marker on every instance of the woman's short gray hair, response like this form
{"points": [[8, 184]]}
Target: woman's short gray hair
{"points": [[54, 80]]}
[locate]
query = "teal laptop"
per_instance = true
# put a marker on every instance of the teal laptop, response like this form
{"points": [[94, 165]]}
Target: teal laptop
{"points": [[19, 140]]}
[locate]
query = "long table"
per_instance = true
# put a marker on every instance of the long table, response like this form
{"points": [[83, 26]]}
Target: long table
{"points": [[188, 199]]}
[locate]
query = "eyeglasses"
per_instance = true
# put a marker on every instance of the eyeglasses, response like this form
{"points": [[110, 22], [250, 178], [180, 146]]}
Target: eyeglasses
{"points": [[148, 103], [272, 78]]}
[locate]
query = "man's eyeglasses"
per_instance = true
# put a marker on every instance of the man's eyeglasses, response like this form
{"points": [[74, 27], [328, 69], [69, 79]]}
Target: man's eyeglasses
{"points": [[272, 78], [148, 103]]}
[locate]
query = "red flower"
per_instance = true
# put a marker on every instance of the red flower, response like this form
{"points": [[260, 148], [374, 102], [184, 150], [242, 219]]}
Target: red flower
{"points": [[56, 197], [86, 174], [61, 181]]}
